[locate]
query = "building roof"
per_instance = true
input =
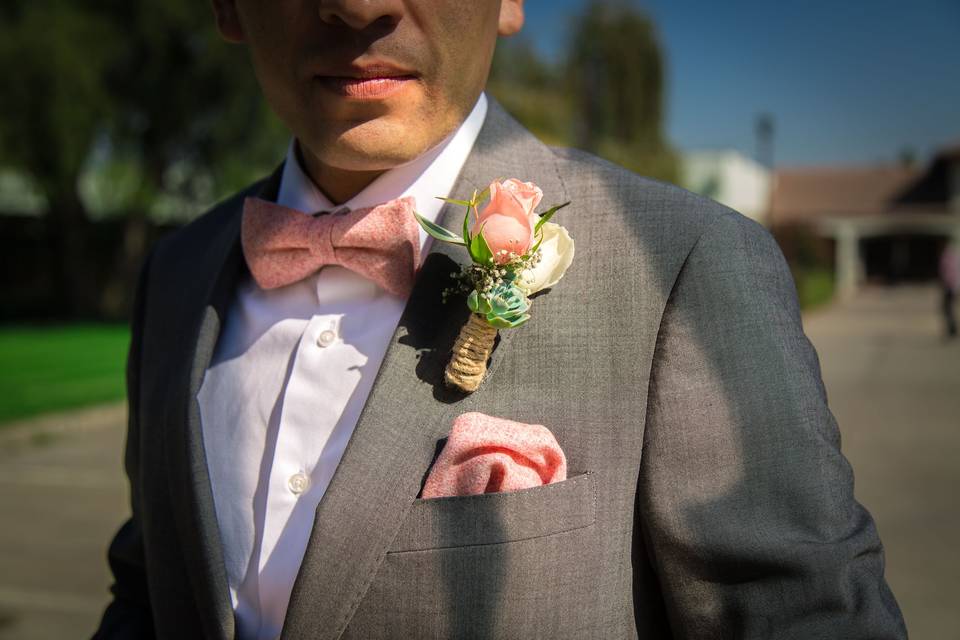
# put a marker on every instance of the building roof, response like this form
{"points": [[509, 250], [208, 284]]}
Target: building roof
{"points": [[801, 194]]}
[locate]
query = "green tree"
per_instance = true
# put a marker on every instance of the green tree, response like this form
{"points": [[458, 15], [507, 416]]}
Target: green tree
{"points": [[53, 55], [189, 116], [616, 75], [605, 94], [531, 90], [152, 85]]}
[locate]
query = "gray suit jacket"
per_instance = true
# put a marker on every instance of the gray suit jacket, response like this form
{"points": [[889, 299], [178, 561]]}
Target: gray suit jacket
{"points": [[707, 496]]}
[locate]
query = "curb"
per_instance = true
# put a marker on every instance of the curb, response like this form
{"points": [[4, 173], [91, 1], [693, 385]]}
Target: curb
{"points": [[42, 428]]}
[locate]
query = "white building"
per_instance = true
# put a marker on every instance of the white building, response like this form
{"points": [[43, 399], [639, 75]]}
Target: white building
{"points": [[730, 178]]}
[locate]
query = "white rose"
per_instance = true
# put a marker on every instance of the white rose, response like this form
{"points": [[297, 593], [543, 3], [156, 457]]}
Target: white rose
{"points": [[556, 254]]}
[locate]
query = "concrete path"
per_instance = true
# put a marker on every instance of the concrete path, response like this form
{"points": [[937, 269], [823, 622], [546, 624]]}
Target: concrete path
{"points": [[893, 383], [62, 496]]}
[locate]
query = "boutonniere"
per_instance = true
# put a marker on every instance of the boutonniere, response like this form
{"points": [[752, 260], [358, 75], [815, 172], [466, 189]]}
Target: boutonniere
{"points": [[515, 252]]}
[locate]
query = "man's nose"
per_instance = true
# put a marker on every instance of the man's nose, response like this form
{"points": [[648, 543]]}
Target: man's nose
{"points": [[360, 14]]}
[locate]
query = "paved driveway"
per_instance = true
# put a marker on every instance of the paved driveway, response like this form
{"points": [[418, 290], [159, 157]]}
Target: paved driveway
{"points": [[893, 383], [62, 495]]}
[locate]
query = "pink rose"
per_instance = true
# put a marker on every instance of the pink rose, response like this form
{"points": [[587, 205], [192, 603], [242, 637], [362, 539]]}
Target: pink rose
{"points": [[508, 219], [527, 193]]}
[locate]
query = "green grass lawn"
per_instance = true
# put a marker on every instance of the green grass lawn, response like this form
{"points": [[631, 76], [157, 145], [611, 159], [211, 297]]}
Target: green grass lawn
{"points": [[814, 287], [54, 368]]}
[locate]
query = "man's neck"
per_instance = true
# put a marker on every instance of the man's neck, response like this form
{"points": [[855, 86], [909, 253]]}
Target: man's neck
{"points": [[338, 185]]}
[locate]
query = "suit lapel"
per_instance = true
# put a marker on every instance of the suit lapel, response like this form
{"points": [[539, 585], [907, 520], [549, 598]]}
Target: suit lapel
{"points": [[207, 288], [408, 410]]}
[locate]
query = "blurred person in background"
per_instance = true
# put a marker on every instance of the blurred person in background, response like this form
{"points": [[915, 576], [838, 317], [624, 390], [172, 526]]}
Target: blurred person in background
{"points": [[707, 495], [950, 282]]}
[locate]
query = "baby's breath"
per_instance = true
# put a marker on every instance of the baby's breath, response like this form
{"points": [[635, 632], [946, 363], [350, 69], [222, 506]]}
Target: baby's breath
{"points": [[484, 277]]}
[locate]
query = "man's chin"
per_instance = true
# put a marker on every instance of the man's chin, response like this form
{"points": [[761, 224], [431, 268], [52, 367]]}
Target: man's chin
{"points": [[365, 148]]}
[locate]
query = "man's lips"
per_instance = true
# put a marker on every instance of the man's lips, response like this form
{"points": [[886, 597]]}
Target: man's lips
{"points": [[367, 81], [366, 88]]}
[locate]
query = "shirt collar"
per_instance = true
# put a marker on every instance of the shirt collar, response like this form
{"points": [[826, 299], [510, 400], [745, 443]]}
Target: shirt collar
{"points": [[431, 174]]}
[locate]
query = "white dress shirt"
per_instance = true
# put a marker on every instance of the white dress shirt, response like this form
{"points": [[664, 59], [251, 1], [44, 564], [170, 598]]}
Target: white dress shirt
{"points": [[291, 372]]}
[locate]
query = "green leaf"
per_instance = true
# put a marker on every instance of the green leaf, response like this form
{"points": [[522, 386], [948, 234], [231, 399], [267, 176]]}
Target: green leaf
{"points": [[548, 214], [472, 301], [498, 322], [519, 321], [462, 203], [466, 226], [483, 305], [478, 303], [439, 232], [503, 323], [483, 195], [479, 250], [499, 306], [536, 246]]}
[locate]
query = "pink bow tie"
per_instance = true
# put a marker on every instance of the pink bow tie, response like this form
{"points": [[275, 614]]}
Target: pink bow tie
{"points": [[283, 245]]}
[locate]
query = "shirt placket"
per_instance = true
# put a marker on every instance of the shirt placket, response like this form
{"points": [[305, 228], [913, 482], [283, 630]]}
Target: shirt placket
{"points": [[321, 380]]}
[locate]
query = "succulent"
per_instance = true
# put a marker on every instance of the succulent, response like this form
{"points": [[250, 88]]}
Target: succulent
{"points": [[503, 306]]}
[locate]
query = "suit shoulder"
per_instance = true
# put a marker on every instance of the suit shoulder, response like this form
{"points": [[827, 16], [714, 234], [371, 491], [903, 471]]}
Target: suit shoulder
{"points": [[740, 241], [640, 195]]}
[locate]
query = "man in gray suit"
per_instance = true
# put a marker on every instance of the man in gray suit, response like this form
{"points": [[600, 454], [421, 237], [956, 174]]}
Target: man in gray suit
{"points": [[706, 496]]}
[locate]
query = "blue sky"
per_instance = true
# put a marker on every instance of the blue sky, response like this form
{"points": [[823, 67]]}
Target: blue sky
{"points": [[847, 81]]}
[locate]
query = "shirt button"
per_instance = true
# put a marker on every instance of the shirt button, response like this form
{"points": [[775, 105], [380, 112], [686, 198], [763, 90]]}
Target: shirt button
{"points": [[298, 483], [326, 338]]}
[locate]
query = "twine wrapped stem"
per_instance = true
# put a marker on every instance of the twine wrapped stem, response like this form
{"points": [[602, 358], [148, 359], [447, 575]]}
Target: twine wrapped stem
{"points": [[468, 363]]}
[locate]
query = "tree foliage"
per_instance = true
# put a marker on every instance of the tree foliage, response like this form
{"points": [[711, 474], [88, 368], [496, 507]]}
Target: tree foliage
{"points": [[145, 84], [53, 55], [606, 95], [531, 90], [185, 99]]}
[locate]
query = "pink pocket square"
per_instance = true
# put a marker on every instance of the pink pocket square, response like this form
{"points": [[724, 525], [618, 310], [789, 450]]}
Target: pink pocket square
{"points": [[484, 454]]}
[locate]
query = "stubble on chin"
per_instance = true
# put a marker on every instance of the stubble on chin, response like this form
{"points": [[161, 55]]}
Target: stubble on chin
{"points": [[379, 144]]}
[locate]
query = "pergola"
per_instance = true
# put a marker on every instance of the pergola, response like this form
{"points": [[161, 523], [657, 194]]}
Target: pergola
{"points": [[848, 231]]}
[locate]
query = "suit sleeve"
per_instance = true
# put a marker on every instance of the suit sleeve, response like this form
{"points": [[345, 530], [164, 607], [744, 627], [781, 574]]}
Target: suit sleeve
{"points": [[746, 503], [128, 615]]}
